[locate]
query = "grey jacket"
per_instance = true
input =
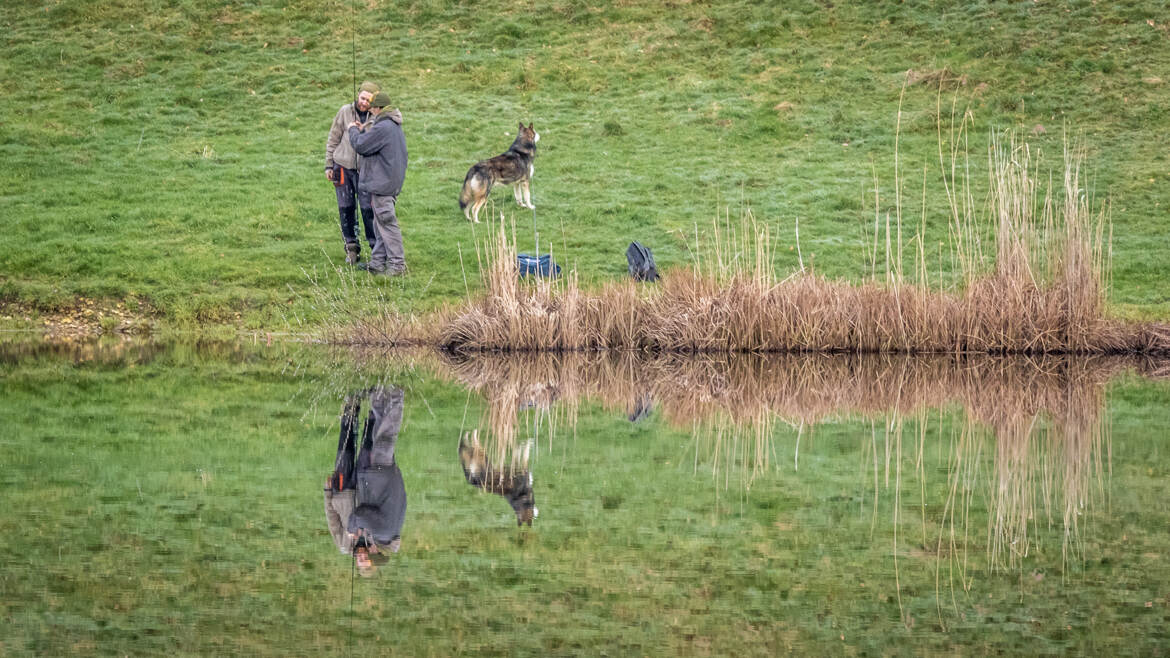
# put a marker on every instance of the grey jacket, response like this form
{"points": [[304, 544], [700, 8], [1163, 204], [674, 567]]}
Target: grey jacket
{"points": [[380, 504], [383, 147], [338, 150]]}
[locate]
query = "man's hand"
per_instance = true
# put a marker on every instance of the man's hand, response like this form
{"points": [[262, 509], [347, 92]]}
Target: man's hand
{"points": [[329, 173], [356, 124]]}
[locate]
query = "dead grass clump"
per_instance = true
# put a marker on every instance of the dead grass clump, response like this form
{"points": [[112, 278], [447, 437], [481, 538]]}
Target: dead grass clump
{"points": [[343, 299], [942, 78]]}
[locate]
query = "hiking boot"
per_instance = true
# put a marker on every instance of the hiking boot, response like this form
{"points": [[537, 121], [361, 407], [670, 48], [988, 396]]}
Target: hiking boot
{"points": [[353, 252], [366, 267], [387, 271]]}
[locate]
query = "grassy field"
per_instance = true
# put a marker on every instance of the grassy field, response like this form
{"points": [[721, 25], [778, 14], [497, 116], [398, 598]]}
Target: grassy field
{"points": [[169, 500], [169, 155]]}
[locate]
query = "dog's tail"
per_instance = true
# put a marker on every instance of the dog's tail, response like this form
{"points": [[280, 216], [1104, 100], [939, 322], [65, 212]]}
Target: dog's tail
{"points": [[467, 194], [464, 197], [468, 449], [475, 190]]}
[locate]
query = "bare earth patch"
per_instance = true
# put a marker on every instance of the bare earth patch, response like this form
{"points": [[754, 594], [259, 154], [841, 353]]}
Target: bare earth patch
{"points": [[84, 317]]}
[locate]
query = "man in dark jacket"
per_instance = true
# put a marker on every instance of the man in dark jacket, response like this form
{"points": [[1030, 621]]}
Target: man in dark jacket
{"points": [[383, 149], [365, 500]]}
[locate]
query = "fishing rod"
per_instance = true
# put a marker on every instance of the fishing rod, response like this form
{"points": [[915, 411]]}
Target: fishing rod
{"points": [[352, 568], [353, 45]]}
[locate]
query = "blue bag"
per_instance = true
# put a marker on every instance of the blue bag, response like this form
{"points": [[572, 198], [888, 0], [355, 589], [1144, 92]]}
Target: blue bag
{"points": [[542, 266]]}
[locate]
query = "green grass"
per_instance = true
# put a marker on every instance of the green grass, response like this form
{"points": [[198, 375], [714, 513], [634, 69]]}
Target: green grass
{"points": [[172, 152], [169, 500]]}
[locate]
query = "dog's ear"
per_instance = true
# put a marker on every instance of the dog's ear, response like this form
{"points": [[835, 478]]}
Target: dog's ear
{"points": [[521, 125]]}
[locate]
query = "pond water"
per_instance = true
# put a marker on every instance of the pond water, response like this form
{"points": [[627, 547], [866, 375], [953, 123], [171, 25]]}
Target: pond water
{"points": [[186, 498]]}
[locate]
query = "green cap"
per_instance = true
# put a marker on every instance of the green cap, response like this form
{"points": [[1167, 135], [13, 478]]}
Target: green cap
{"points": [[381, 100]]}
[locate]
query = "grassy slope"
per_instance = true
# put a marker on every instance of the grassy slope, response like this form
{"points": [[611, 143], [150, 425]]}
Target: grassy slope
{"points": [[172, 152], [188, 488]]}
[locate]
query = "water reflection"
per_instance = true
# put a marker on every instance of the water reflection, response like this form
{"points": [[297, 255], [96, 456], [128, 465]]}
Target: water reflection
{"points": [[1030, 445], [108, 351], [365, 498], [753, 506]]}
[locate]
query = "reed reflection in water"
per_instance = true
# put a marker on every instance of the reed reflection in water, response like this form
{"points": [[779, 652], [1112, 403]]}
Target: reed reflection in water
{"points": [[1030, 444]]}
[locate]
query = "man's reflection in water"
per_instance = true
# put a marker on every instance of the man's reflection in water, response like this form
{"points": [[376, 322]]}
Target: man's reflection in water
{"points": [[365, 499], [513, 482]]}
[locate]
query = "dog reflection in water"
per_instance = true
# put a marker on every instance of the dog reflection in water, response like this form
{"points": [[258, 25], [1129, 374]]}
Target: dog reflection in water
{"points": [[513, 482]]}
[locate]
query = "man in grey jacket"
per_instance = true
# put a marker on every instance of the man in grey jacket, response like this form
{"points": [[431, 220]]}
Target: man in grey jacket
{"points": [[383, 149], [341, 167]]}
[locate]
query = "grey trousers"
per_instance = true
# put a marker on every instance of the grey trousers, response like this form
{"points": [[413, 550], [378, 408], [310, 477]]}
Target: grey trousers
{"points": [[388, 253], [386, 409]]}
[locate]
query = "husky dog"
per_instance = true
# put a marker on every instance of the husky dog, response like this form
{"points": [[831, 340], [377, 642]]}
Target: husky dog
{"points": [[513, 482], [512, 167]]}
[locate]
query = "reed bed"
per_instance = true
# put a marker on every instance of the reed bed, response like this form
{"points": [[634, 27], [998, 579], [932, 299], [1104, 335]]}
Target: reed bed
{"points": [[1043, 291]]}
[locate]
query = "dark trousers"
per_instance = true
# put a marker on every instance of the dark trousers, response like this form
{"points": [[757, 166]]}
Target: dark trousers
{"points": [[348, 198], [344, 467], [379, 435]]}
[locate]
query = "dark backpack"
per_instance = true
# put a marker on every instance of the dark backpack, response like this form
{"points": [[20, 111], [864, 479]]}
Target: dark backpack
{"points": [[641, 262]]}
